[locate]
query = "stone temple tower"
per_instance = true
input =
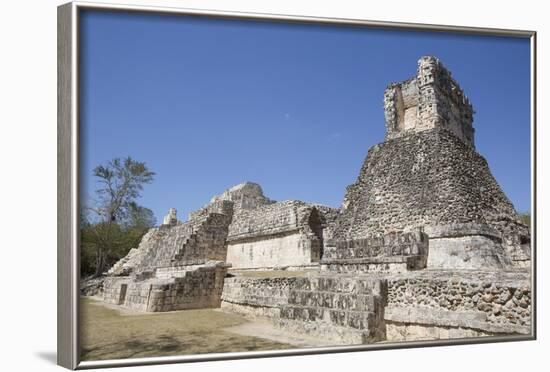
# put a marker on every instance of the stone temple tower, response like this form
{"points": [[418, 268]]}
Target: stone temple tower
{"points": [[431, 99], [427, 175]]}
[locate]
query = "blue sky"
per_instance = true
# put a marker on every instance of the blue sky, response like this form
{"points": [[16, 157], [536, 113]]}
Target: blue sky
{"points": [[210, 103]]}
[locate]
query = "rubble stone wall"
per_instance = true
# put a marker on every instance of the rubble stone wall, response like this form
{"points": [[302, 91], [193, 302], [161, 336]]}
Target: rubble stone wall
{"points": [[458, 304], [425, 180], [256, 296]]}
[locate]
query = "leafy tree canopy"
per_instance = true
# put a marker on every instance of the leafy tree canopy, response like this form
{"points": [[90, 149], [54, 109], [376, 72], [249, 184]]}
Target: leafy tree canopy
{"points": [[116, 222]]}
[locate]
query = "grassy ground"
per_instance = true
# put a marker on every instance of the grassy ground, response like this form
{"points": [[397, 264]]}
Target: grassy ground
{"points": [[109, 334]]}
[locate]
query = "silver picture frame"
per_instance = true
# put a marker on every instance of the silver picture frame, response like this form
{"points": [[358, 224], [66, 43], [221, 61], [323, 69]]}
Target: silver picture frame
{"points": [[68, 254]]}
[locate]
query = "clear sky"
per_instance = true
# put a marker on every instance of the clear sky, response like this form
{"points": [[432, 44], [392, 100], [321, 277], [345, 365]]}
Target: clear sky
{"points": [[210, 103]]}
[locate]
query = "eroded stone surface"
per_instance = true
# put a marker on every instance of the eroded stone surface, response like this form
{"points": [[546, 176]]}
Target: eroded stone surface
{"points": [[240, 227], [427, 174], [288, 233], [395, 252], [425, 246], [430, 99]]}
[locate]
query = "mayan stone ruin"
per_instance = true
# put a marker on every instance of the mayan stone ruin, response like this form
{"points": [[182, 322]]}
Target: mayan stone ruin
{"points": [[425, 245]]}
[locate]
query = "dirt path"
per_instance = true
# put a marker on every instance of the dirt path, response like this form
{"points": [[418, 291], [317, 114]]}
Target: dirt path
{"points": [[108, 333], [264, 328]]}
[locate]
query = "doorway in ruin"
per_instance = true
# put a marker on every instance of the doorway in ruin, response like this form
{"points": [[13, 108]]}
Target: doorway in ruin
{"points": [[122, 295], [316, 225]]}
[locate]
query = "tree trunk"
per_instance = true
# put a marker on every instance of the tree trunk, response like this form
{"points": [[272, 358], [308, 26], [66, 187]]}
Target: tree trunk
{"points": [[100, 263]]}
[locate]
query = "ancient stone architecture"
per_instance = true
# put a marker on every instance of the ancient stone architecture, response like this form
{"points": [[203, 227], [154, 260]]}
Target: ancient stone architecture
{"points": [[427, 175], [181, 265], [430, 99], [279, 235], [425, 246]]}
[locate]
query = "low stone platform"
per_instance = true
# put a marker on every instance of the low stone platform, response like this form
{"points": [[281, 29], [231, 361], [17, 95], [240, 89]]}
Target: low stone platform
{"points": [[195, 288], [418, 305], [338, 308], [256, 296]]}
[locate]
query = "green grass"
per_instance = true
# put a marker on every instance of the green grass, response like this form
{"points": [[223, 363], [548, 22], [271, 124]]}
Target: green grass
{"points": [[108, 334]]}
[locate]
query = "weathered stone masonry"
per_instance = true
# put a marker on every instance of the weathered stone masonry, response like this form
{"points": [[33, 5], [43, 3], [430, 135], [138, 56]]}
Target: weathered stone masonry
{"points": [[285, 234], [181, 265], [427, 175], [425, 211], [425, 246], [431, 99], [412, 305], [177, 266]]}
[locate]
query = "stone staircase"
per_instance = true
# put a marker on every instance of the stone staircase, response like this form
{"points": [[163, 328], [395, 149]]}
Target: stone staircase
{"points": [[186, 248], [206, 241], [341, 309], [118, 268]]}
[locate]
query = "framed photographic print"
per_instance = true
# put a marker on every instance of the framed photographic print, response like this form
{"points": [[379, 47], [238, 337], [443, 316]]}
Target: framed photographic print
{"points": [[236, 185]]}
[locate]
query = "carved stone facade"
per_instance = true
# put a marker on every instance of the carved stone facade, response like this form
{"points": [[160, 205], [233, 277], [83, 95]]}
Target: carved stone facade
{"points": [[431, 99]]}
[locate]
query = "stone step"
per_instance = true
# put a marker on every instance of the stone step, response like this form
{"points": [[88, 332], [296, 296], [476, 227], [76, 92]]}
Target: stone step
{"points": [[343, 318], [342, 308], [334, 335], [342, 301]]}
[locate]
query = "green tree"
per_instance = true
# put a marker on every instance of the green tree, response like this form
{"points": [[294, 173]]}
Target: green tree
{"points": [[525, 217], [121, 182], [120, 221], [140, 217]]}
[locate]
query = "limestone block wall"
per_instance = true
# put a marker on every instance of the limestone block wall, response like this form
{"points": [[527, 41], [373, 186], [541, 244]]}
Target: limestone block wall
{"points": [[344, 310], [474, 252], [445, 304], [266, 220], [292, 249], [282, 234], [196, 289], [161, 245], [115, 290]]}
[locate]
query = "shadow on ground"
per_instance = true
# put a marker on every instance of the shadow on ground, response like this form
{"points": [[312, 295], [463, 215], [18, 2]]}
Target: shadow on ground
{"points": [[110, 334]]}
